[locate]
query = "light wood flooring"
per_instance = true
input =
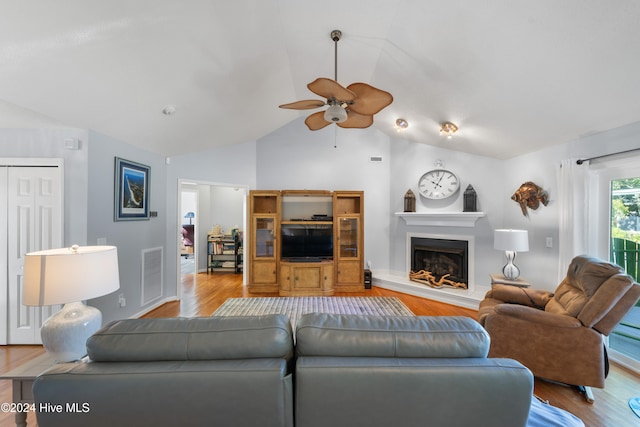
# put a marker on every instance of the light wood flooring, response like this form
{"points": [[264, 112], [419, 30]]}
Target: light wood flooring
{"points": [[204, 293]]}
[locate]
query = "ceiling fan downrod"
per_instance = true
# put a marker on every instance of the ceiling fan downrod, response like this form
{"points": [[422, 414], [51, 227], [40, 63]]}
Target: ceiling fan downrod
{"points": [[335, 36]]}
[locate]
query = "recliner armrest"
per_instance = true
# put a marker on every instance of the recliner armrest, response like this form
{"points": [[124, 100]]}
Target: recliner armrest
{"points": [[538, 316], [517, 295]]}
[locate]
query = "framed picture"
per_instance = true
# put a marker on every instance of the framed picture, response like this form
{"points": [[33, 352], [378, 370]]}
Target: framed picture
{"points": [[132, 191]]}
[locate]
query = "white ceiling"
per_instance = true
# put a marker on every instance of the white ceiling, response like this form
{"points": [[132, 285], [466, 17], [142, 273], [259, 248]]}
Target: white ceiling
{"points": [[514, 75]]}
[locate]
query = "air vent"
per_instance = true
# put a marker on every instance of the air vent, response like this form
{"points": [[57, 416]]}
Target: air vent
{"points": [[152, 277], [375, 158]]}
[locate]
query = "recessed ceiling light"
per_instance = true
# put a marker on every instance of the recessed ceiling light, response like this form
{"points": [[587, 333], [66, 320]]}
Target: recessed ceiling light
{"points": [[448, 129], [169, 109], [401, 125]]}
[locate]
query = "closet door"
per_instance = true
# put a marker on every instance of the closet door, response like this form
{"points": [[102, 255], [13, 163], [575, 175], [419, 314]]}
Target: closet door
{"points": [[4, 272], [34, 222]]}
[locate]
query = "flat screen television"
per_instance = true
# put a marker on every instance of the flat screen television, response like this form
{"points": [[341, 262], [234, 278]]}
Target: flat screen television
{"points": [[301, 242]]}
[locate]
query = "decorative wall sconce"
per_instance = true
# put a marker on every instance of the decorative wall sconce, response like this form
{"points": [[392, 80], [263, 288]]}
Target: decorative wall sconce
{"points": [[448, 129]]}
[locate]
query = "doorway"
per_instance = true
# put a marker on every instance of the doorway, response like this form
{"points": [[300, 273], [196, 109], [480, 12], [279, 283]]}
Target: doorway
{"points": [[188, 220], [219, 209]]}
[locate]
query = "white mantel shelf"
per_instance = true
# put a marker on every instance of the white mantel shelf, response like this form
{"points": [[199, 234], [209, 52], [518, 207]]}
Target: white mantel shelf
{"points": [[442, 219]]}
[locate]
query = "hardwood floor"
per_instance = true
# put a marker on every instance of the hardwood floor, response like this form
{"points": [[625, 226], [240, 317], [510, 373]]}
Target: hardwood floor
{"points": [[204, 293]]}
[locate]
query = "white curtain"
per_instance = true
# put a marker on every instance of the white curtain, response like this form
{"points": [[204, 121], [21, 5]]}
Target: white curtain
{"points": [[573, 207]]}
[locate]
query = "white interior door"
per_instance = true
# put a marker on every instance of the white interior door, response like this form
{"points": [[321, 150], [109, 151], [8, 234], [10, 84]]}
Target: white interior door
{"points": [[34, 221]]}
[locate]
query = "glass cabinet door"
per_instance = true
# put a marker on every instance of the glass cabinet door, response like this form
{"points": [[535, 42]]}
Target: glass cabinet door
{"points": [[348, 237], [265, 238]]}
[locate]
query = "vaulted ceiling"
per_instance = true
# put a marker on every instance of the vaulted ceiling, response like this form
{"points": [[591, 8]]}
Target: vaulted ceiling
{"points": [[514, 75]]}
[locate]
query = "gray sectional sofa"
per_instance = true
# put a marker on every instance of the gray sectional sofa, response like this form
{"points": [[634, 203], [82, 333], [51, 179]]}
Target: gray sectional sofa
{"points": [[342, 370]]}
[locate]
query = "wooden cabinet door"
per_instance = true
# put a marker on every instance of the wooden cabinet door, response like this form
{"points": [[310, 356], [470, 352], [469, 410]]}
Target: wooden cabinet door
{"points": [[349, 273], [264, 272]]}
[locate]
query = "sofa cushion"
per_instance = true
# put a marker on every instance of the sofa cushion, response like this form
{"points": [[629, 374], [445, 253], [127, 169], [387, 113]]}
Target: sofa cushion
{"points": [[321, 334], [202, 338]]}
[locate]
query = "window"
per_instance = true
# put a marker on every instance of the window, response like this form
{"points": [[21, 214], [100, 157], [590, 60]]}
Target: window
{"points": [[625, 242]]}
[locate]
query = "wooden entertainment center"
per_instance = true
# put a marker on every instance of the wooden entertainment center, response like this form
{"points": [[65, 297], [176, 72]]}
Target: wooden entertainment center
{"points": [[305, 242]]}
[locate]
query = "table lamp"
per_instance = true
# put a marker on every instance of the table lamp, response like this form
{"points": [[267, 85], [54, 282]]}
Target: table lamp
{"points": [[190, 215], [69, 276], [511, 241]]}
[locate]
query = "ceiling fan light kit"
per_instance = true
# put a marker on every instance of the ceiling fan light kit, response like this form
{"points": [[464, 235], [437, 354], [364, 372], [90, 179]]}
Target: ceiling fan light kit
{"points": [[350, 107], [335, 114]]}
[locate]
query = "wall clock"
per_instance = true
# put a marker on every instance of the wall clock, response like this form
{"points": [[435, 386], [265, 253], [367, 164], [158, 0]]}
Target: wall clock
{"points": [[438, 184]]}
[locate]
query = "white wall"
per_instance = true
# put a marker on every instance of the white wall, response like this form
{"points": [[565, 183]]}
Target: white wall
{"points": [[230, 166], [410, 161], [130, 237]]}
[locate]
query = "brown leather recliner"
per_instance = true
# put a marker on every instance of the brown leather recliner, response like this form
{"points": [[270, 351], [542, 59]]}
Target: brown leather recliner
{"points": [[559, 336]]}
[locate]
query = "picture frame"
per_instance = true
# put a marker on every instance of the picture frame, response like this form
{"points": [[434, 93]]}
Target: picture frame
{"points": [[131, 190]]}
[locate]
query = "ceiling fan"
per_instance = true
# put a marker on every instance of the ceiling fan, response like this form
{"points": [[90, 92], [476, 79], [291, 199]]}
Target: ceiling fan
{"points": [[350, 107]]}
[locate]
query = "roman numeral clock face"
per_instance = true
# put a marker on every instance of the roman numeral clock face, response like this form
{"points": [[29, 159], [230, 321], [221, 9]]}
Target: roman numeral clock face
{"points": [[438, 184]]}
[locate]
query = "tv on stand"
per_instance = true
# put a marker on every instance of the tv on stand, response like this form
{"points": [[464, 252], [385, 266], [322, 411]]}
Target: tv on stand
{"points": [[306, 243]]}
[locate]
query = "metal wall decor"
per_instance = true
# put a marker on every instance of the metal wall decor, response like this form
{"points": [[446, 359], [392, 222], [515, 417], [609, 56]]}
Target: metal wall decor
{"points": [[530, 195]]}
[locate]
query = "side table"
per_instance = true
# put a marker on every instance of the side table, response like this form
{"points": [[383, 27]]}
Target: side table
{"points": [[499, 278], [23, 377]]}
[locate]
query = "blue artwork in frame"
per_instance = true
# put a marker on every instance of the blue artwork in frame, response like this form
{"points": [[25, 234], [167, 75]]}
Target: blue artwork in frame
{"points": [[132, 191]]}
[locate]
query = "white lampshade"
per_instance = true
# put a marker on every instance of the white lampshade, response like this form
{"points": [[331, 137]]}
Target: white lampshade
{"points": [[59, 276], [511, 240], [69, 276]]}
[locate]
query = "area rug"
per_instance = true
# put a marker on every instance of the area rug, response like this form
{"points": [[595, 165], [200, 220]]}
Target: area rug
{"points": [[294, 307]]}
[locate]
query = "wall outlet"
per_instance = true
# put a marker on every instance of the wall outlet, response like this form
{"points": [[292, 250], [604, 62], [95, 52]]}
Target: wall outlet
{"points": [[122, 301], [101, 241], [549, 242]]}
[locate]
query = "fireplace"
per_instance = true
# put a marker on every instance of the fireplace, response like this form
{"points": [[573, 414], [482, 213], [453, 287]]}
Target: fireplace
{"points": [[439, 262]]}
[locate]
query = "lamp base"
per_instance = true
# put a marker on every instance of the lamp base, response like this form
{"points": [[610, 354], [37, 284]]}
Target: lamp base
{"points": [[510, 271], [64, 335]]}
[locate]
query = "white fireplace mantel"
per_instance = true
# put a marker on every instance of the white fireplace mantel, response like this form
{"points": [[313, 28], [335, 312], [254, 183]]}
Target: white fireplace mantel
{"points": [[441, 219]]}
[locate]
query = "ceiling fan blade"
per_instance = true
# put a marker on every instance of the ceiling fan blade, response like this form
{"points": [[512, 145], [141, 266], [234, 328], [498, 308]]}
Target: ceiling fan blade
{"points": [[316, 121], [328, 88], [355, 120], [369, 100], [307, 104]]}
